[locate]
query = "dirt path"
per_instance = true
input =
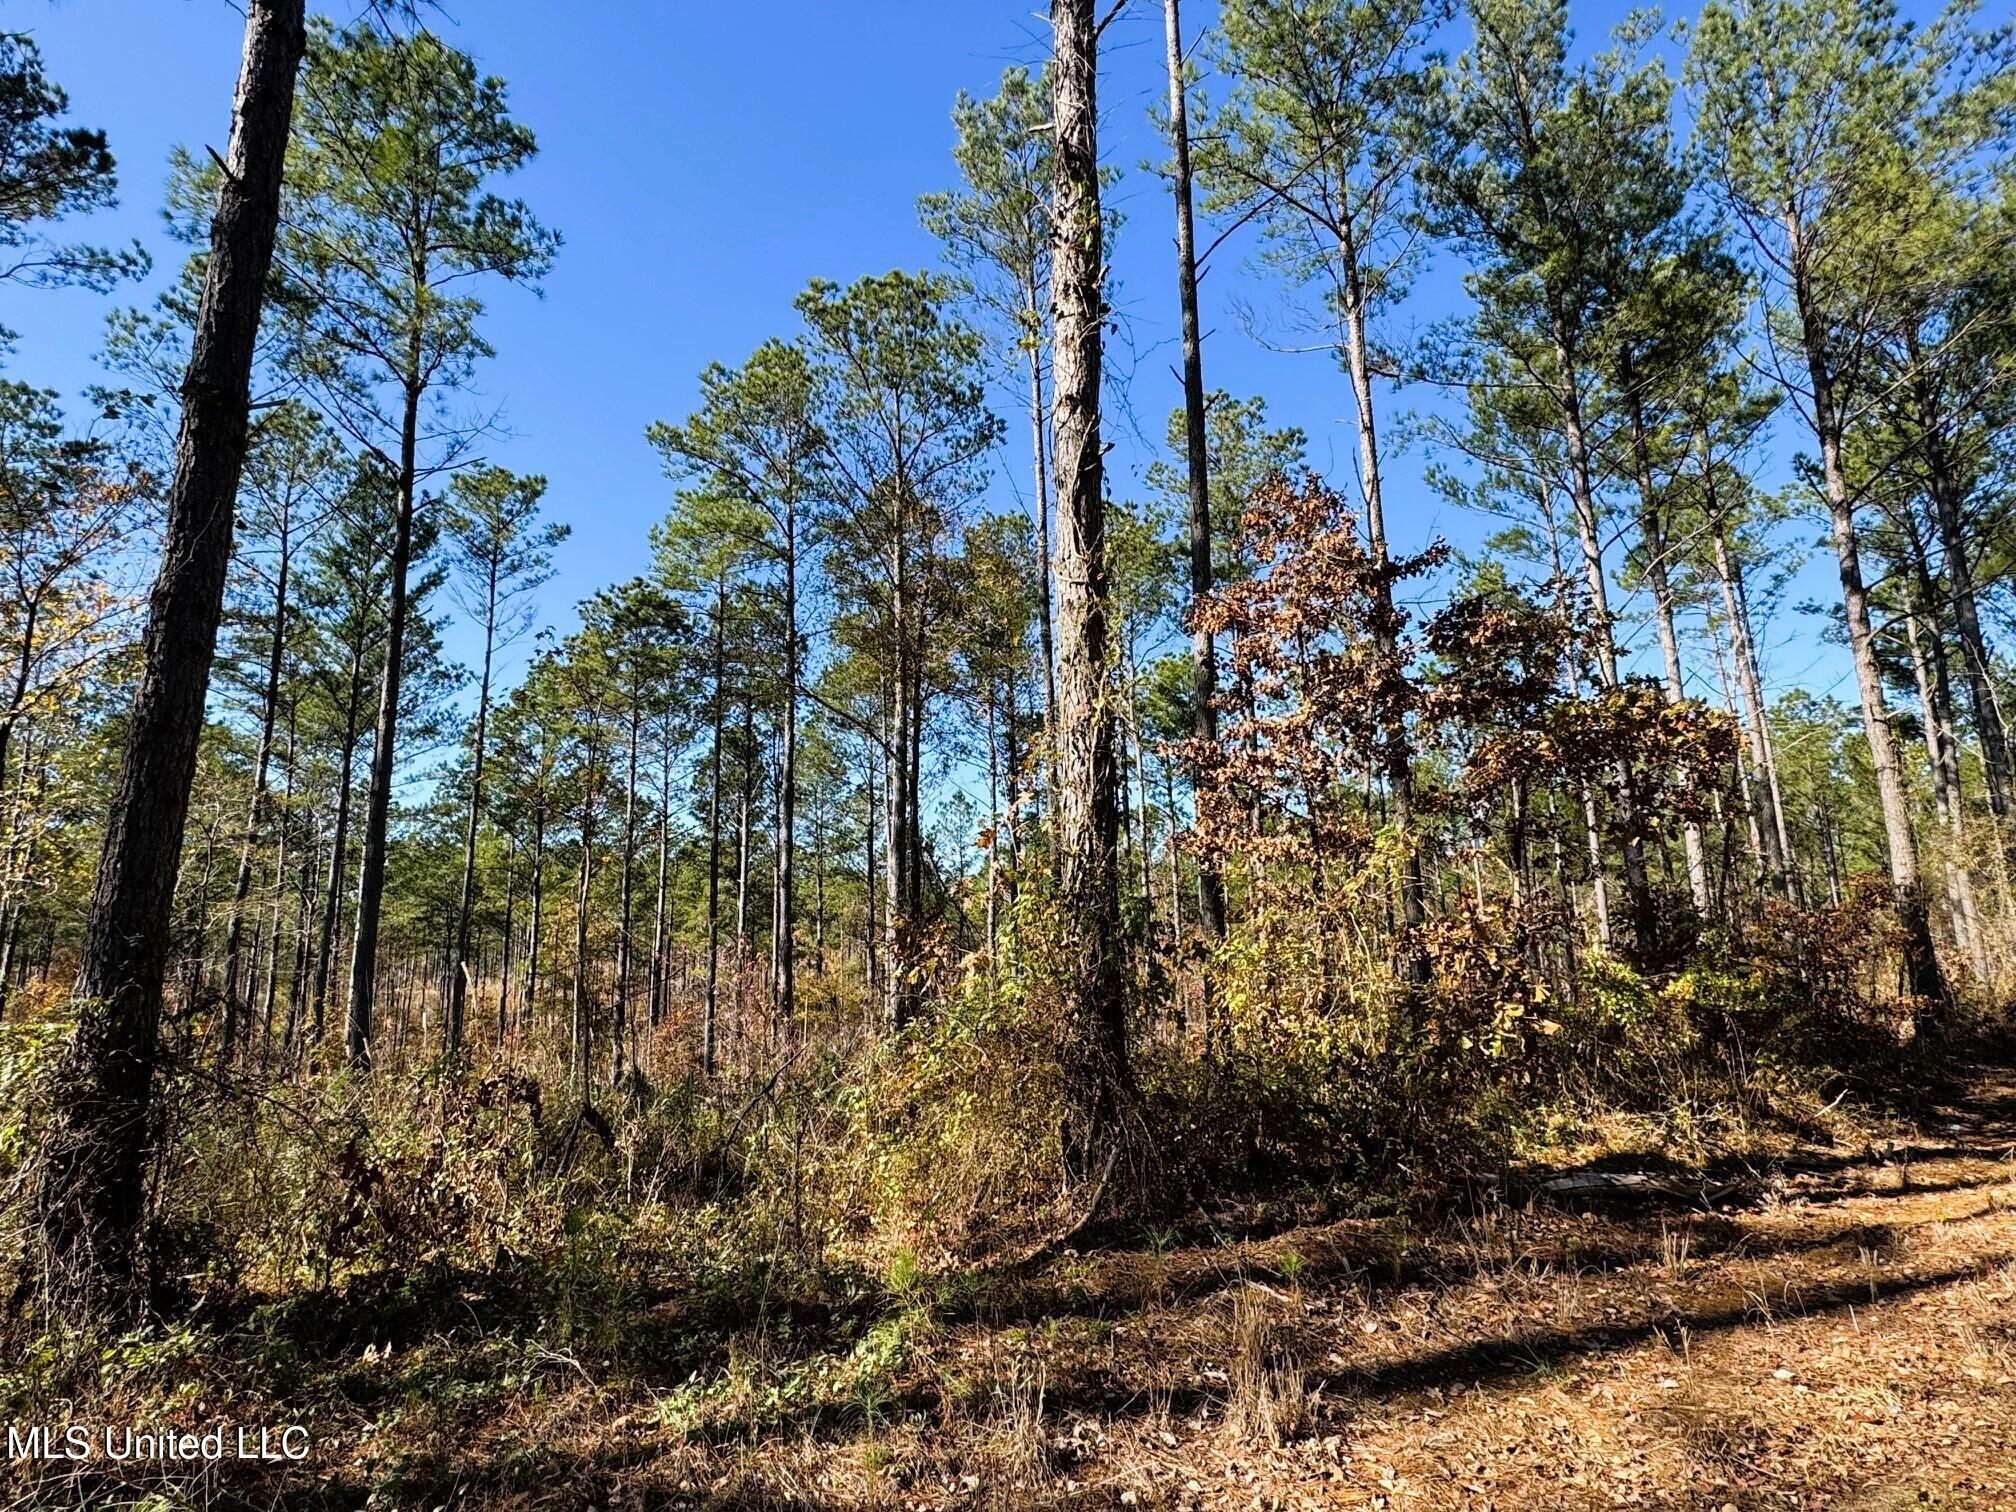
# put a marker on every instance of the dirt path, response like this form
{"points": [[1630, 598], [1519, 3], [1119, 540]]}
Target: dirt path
{"points": [[1835, 1334]]}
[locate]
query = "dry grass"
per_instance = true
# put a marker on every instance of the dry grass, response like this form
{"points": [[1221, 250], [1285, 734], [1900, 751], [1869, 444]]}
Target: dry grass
{"points": [[1821, 1335], [1267, 1396]]}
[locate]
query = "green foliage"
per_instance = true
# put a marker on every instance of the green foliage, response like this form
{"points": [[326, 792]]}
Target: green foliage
{"points": [[49, 172], [390, 217], [1318, 135], [997, 232], [27, 1052]]}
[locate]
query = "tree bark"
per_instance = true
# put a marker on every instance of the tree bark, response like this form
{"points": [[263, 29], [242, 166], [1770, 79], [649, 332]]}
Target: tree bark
{"points": [[1038, 423], [279, 887], [1092, 989], [535, 887], [90, 1179], [656, 1006], [583, 1026], [1396, 762], [504, 942], [870, 934], [1935, 703]]}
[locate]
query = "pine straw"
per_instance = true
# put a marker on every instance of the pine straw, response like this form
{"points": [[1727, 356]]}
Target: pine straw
{"points": [[1839, 1336]]}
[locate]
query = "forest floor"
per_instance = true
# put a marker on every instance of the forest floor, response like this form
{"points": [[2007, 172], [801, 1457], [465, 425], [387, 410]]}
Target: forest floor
{"points": [[1831, 1329], [1826, 1326]]}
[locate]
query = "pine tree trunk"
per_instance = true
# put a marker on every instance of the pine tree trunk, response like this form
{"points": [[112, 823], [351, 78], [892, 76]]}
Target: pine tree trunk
{"points": [[1921, 963], [620, 1029], [1935, 704], [1588, 531], [1143, 823], [1652, 535], [657, 996], [783, 915], [583, 1025], [504, 942], [254, 820], [1197, 456], [536, 896], [90, 1177], [1093, 1006], [297, 986], [993, 828], [1395, 759], [871, 933], [279, 884], [1756, 798], [378, 797], [744, 800], [465, 907], [1776, 840], [1039, 420], [339, 850], [708, 1022], [1953, 544]]}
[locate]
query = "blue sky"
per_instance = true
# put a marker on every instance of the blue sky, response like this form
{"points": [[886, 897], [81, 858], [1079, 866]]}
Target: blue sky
{"points": [[704, 162]]}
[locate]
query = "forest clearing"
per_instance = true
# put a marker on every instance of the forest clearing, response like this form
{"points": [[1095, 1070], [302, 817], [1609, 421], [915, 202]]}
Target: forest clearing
{"points": [[1270, 772]]}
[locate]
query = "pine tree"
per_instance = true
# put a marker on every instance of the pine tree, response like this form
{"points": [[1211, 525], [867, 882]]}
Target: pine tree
{"points": [[90, 1181], [501, 555], [391, 217]]}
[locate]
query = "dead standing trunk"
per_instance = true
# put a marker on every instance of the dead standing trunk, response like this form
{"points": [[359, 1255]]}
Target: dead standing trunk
{"points": [[1092, 1000], [90, 1176]]}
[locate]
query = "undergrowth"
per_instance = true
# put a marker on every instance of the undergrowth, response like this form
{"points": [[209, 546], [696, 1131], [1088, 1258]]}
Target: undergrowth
{"points": [[777, 1249]]}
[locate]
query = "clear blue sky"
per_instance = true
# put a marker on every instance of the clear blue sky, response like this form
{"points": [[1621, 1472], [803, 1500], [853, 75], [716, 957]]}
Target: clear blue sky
{"points": [[704, 162]]}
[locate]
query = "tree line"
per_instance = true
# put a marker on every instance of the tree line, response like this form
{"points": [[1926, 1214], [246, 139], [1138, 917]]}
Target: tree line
{"points": [[855, 743]]}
